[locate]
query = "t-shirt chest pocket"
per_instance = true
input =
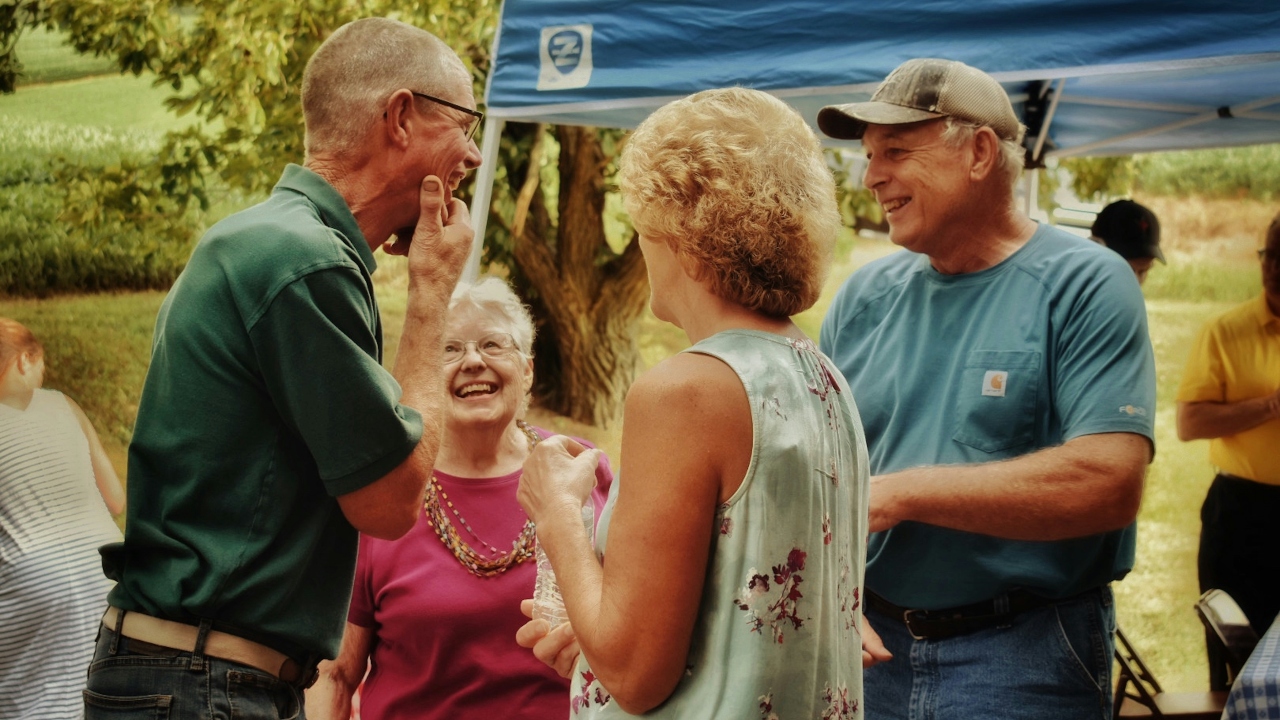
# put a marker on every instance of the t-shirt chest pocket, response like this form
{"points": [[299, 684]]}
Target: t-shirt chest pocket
{"points": [[996, 399]]}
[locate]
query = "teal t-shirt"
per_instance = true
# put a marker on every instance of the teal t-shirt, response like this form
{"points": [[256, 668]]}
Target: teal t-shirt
{"points": [[265, 399], [1049, 345]]}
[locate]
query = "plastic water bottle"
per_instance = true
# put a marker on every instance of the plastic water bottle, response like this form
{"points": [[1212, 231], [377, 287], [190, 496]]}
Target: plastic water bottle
{"points": [[548, 603]]}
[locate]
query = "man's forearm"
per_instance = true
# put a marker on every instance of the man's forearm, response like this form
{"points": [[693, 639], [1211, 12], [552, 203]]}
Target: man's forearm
{"points": [[1090, 485], [419, 366], [1208, 420]]}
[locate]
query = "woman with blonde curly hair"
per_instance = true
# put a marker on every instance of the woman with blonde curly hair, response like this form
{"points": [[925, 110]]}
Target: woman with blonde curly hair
{"points": [[734, 544]]}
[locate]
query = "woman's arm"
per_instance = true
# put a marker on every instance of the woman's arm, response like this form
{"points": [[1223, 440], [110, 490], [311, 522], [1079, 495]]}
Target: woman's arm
{"points": [[104, 473], [686, 448], [330, 697]]}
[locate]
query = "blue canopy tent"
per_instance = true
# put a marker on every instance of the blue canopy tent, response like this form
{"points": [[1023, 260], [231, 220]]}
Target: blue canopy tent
{"points": [[1088, 77]]}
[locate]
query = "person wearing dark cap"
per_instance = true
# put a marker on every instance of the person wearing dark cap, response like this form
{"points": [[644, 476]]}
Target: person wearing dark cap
{"points": [[1133, 231], [1007, 386]]}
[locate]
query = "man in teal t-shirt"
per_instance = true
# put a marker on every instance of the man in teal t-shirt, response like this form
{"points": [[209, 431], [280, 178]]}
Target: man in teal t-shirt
{"points": [[268, 432], [1007, 387]]}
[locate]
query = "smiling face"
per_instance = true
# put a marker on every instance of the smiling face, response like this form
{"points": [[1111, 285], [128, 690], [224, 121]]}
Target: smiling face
{"points": [[448, 152], [484, 390], [919, 180], [438, 146]]}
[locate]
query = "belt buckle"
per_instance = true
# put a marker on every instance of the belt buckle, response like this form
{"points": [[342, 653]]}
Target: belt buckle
{"points": [[906, 620]]}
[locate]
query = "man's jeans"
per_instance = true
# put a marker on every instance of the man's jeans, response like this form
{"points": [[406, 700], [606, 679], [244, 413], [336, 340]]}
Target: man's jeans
{"points": [[1052, 663], [126, 685]]}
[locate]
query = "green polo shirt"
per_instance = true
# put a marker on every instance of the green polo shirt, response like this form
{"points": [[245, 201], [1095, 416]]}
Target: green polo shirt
{"points": [[265, 399]]}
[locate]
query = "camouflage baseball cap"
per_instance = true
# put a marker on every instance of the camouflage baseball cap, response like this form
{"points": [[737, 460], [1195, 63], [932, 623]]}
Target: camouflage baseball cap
{"points": [[923, 89]]}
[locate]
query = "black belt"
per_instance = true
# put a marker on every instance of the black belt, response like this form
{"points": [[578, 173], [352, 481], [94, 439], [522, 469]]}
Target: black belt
{"points": [[949, 622]]}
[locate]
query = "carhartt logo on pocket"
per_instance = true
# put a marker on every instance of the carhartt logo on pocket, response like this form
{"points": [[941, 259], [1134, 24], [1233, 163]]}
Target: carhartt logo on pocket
{"points": [[994, 382]]}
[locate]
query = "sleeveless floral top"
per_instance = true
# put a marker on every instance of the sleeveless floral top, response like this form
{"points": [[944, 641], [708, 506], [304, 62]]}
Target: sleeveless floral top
{"points": [[777, 635]]}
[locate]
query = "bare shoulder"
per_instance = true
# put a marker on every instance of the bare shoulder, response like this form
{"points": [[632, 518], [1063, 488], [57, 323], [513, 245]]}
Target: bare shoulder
{"points": [[698, 384]]}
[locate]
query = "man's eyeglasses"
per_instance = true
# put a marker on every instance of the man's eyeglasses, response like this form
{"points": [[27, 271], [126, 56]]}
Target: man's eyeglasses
{"points": [[493, 345], [1269, 256], [477, 116]]}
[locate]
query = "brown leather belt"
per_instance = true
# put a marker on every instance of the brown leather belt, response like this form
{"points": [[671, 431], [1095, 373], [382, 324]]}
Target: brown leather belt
{"points": [[949, 622], [182, 637]]}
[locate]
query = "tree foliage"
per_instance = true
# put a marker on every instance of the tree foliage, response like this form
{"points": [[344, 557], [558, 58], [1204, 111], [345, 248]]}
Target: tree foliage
{"points": [[1096, 178], [237, 65]]}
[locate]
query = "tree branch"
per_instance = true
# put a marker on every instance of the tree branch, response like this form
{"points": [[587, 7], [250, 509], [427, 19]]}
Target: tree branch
{"points": [[532, 178]]}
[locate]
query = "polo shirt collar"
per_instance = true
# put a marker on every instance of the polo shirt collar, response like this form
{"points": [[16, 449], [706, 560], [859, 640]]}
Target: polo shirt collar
{"points": [[1263, 313], [332, 206]]}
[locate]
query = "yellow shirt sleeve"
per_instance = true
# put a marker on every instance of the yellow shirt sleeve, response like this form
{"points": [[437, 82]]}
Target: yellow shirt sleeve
{"points": [[1204, 379]]}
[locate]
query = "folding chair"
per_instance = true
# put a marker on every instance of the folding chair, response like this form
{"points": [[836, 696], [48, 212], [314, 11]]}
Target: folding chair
{"points": [[1229, 637], [1139, 695]]}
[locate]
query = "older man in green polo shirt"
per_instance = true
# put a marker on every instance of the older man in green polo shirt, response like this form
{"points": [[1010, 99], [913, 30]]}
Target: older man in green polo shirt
{"points": [[268, 431]]}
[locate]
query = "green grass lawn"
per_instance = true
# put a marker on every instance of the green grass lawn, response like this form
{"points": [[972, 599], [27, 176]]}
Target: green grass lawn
{"points": [[108, 102], [46, 57], [97, 348]]}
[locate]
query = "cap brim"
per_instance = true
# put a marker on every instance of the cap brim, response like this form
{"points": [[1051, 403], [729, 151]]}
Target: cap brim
{"points": [[849, 122]]}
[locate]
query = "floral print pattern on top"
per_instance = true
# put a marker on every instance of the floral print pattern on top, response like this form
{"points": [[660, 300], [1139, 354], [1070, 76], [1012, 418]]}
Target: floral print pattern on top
{"points": [[850, 597], [786, 557], [584, 699], [839, 706], [766, 708], [785, 597]]}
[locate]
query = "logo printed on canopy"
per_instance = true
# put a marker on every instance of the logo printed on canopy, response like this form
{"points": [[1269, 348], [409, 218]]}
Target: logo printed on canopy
{"points": [[566, 57]]}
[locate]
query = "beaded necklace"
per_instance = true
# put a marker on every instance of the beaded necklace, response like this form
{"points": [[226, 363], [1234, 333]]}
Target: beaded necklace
{"points": [[476, 563]]}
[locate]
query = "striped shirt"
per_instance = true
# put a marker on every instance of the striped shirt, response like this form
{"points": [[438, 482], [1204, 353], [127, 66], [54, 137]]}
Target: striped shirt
{"points": [[52, 591]]}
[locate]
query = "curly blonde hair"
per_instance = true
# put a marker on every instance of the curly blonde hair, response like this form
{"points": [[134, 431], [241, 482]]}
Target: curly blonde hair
{"points": [[735, 182]]}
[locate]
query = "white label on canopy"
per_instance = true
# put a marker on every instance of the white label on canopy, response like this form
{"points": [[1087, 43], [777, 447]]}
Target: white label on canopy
{"points": [[566, 57]]}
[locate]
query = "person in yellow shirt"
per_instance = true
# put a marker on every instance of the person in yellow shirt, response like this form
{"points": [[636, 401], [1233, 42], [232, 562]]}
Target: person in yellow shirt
{"points": [[1230, 394]]}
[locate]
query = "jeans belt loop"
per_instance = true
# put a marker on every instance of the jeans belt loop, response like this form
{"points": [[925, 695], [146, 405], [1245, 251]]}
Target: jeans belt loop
{"points": [[197, 653], [119, 623]]}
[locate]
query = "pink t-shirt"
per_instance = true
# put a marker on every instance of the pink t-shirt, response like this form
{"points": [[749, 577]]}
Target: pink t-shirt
{"points": [[444, 644]]}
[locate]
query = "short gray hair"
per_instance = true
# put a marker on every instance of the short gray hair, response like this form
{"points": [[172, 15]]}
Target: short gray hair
{"points": [[1012, 154], [356, 69], [494, 296]]}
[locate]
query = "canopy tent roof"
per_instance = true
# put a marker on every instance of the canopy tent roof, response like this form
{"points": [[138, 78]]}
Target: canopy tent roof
{"points": [[1127, 75], [1088, 77]]}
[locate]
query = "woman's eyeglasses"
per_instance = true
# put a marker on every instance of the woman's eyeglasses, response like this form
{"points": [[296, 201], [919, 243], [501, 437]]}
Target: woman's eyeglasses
{"points": [[493, 345]]}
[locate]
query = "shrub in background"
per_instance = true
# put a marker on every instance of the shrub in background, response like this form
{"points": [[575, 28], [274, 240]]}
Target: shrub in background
{"points": [[77, 212]]}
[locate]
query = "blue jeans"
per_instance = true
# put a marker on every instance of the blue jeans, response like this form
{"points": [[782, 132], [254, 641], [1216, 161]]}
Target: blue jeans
{"points": [[1051, 663], [158, 684]]}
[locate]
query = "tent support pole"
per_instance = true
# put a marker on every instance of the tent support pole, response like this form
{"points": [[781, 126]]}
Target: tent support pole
{"points": [[1048, 120], [483, 195], [1031, 184]]}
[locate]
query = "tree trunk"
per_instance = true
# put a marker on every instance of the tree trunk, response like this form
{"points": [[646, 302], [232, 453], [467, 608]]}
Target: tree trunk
{"points": [[589, 299]]}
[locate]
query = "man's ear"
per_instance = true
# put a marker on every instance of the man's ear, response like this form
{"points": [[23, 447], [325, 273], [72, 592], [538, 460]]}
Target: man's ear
{"points": [[986, 154], [396, 117]]}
